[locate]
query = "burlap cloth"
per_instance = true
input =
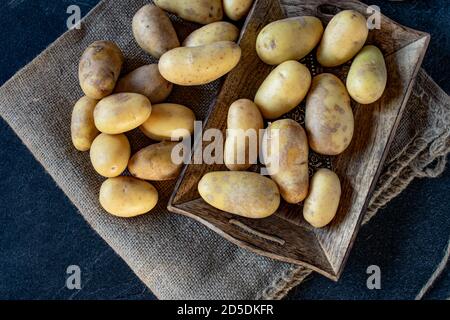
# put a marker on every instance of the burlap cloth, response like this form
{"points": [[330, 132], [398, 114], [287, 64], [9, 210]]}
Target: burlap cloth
{"points": [[177, 258]]}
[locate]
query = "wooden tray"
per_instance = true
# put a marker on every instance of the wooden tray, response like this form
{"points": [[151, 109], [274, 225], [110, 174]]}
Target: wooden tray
{"points": [[285, 235]]}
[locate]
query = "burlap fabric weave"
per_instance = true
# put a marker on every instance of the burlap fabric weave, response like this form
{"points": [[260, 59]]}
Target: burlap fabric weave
{"points": [[177, 258]]}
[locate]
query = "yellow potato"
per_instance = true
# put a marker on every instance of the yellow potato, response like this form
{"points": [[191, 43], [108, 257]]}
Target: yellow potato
{"points": [[241, 145], [110, 154], [82, 126], [246, 194], [155, 163], [283, 89], [99, 69], [166, 120], [121, 112], [199, 65], [329, 118], [344, 36], [213, 32], [154, 31], [200, 11], [367, 77], [286, 147], [288, 39], [237, 9], [127, 197], [323, 200]]}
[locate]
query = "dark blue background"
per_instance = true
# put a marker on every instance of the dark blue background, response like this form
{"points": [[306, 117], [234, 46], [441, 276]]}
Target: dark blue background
{"points": [[41, 233]]}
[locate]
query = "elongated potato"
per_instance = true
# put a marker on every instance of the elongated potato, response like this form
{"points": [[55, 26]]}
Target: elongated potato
{"points": [[200, 11], [199, 65], [323, 200], [110, 154], [127, 197], [241, 146], [288, 39], [246, 194], [99, 69], [213, 32], [283, 89], [82, 127], [286, 147], [237, 9], [147, 81], [329, 118], [367, 77], [155, 163], [121, 112], [344, 36]]}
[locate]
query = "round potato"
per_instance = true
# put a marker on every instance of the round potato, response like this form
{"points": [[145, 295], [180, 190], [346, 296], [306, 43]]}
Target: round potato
{"points": [[155, 163], [367, 77], [121, 112], [283, 89], [246, 194], [110, 154], [127, 197], [154, 31], [237, 9], [82, 127], [200, 11], [213, 32], [99, 69], [323, 200], [241, 146], [344, 36], [329, 118], [285, 150], [288, 39], [199, 65]]}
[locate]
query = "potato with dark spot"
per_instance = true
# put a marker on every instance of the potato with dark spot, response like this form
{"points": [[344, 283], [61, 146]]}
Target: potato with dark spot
{"points": [[237, 9], [213, 32], [82, 126], [110, 154], [200, 11]]}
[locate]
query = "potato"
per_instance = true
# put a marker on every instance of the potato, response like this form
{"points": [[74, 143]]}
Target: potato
{"points": [[82, 127], [344, 36], [127, 197], [283, 89], [329, 118], [200, 11], [110, 154], [155, 163], [199, 65], [241, 145], [121, 112], [166, 119], [213, 32], [246, 194], [237, 9], [286, 147], [323, 200], [147, 81], [288, 39], [99, 69], [367, 77], [154, 31]]}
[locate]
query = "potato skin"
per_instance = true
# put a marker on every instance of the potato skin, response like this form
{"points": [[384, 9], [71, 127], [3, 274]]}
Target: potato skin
{"points": [[110, 154], [155, 163], [344, 36], [99, 69], [237, 9], [127, 197], [213, 32], [246, 194], [288, 39], [154, 31], [283, 89], [147, 81], [329, 118], [191, 66], [243, 115], [290, 156], [367, 78], [321, 205], [82, 126], [200, 11], [121, 112]]}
